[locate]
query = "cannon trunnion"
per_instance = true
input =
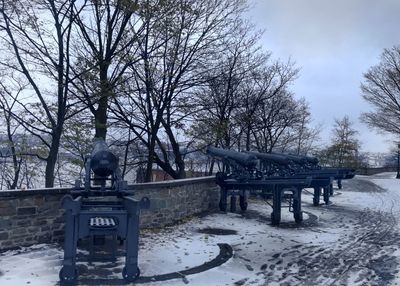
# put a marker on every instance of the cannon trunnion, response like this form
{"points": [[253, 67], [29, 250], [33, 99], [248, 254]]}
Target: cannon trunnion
{"points": [[101, 208]]}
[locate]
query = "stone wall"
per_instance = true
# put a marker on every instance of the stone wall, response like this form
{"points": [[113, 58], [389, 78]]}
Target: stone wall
{"points": [[373, 171], [34, 216]]}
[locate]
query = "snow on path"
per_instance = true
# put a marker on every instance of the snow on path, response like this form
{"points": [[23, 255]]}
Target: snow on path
{"points": [[350, 242]]}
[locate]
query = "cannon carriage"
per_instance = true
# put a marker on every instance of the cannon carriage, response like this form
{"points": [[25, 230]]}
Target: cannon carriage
{"points": [[101, 208], [323, 177], [277, 176], [233, 183]]}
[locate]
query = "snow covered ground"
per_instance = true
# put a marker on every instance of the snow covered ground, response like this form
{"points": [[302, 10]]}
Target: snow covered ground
{"points": [[353, 241]]}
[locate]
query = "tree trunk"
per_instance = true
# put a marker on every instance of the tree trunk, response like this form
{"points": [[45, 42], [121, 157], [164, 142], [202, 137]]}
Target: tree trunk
{"points": [[248, 137], [180, 173], [149, 166], [100, 116], [52, 158], [16, 166]]}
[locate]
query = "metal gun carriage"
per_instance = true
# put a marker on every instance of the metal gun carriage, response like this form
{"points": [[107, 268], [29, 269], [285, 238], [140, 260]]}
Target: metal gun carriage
{"points": [[256, 182], [275, 175], [101, 207], [322, 177]]}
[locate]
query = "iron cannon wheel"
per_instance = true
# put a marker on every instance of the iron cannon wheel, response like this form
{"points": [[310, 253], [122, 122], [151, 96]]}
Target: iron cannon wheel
{"points": [[128, 278], [66, 279]]}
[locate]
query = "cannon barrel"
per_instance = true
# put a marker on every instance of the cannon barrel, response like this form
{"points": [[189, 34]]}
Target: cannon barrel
{"points": [[243, 159], [299, 159], [268, 157], [295, 159], [102, 161], [311, 160]]}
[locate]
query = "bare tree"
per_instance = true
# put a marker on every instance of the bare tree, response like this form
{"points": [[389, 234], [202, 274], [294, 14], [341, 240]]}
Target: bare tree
{"points": [[222, 94], [176, 52], [16, 172], [264, 85], [275, 117], [36, 41], [301, 138], [381, 88], [7, 105], [104, 44]]}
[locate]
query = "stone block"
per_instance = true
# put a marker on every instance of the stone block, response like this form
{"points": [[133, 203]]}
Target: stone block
{"points": [[26, 210], [29, 239], [6, 244], [27, 202], [24, 222], [59, 219], [33, 229], [45, 228], [58, 232], [5, 222], [18, 231], [44, 238], [8, 211], [18, 241], [47, 210], [4, 235], [40, 222], [157, 204], [8, 203], [53, 198]]}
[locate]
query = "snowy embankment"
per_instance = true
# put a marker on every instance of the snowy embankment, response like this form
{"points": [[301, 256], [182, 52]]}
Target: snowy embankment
{"points": [[353, 241]]}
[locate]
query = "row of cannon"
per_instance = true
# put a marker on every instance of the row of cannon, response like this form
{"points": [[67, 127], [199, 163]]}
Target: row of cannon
{"points": [[275, 175], [103, 206]]}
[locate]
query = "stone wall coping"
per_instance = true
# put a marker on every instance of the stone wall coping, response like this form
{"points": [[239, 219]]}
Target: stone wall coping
{"points": [[32, 192], [133, 187]]}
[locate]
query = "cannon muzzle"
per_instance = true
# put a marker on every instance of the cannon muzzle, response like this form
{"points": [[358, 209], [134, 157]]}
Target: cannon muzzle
{"points": [[103, 162]]}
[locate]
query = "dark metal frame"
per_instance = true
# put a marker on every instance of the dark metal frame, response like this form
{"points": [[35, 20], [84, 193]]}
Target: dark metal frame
{"points": [[277, 187], [110, 201], [277, 175]]}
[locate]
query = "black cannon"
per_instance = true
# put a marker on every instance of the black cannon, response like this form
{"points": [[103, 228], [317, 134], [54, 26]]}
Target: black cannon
{"points": [[290, 165], [102, 207], [240, 166], [273, 164], [275, 175], [234, 182], [308, 166], [311, 165]]}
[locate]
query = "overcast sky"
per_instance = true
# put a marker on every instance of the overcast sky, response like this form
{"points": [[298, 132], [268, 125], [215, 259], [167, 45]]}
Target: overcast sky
{"points": [[334, 43]]}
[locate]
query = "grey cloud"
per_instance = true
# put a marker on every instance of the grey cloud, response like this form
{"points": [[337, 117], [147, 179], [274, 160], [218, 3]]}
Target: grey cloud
{"points": [[334, 43]]}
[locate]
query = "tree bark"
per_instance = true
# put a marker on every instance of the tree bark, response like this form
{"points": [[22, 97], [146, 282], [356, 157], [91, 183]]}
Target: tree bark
{"points": [[52, 158]]}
